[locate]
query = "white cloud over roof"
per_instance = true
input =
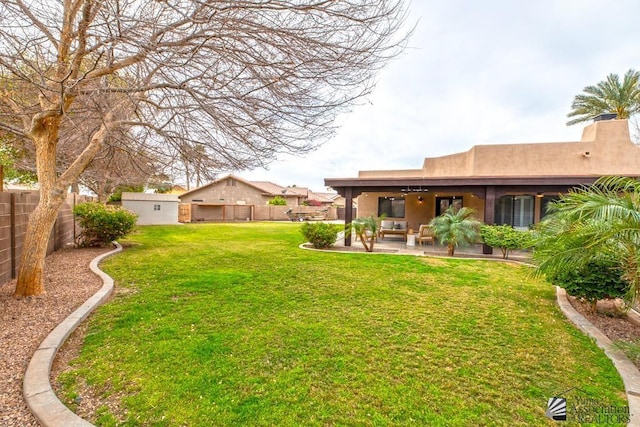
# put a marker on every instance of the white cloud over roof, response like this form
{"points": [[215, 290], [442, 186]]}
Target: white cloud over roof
{"points": [[488, 72]]}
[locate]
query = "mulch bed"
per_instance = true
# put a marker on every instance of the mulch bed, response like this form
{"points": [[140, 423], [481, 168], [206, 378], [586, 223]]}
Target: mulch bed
{"points": [[615, 325]]}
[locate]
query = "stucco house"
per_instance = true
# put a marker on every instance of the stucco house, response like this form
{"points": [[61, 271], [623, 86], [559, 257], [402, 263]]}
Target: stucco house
{"points": [[505, 184], [234, 198], [233, 190]]}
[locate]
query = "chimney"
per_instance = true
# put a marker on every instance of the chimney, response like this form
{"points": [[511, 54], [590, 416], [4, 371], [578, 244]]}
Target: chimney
{"points": [[605, 116]]}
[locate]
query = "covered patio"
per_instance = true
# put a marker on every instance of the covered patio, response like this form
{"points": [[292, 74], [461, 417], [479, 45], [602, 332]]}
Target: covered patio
{"points": [[504, 183], [425, 198]]}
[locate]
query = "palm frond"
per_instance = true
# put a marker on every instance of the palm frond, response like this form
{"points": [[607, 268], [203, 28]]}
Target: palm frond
{"points": [[601, 220], [608, 96]]}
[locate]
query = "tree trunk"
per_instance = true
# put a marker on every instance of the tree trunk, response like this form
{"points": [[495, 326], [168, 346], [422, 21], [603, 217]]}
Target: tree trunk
{"points": [[42, 219], [363, 239], [450, 249], [44, 133], [34, 249]]}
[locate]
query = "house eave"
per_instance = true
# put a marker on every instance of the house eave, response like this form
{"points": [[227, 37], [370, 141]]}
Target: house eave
{"points": [[448, 181], [360, 185]]}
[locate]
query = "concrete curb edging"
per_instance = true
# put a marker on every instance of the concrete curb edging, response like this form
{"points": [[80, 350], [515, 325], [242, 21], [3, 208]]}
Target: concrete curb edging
{"points": [[36, 389], [627, 370]]}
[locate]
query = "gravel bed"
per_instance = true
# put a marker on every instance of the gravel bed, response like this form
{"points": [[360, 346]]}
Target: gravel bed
{"points": [[610, 322], [27, 321]]}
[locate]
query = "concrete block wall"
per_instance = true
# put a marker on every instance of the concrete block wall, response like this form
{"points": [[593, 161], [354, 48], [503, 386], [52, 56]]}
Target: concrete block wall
{"points": [[5, 237], [15, 208]]}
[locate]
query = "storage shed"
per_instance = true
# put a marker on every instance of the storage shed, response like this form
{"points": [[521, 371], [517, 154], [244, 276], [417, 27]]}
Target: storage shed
{"points": [[152, 209]]}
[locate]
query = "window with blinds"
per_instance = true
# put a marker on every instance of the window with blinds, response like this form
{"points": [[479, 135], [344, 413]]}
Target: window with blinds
{"points": [[517, 211], [523, 211]]}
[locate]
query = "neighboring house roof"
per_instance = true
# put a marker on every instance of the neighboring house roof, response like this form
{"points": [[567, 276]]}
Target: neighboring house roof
{"points": [[270, 188], [267, 188], [321, 197], [329, 197], [298, 191], [237, 178], [177, 189]]}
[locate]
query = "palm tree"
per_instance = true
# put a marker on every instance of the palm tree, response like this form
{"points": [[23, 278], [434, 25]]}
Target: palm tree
{"points": [[608, 96], [367, 230], [456, 227], [591, 223]]}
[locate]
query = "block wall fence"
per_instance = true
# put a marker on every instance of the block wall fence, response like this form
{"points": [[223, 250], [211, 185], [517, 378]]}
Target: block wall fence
{"points": [[15, 208]]}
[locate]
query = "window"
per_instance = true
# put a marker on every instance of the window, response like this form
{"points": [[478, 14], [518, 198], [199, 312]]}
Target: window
{"points": [[544, 204], [523, 211], [515, 210], [504, 210], [231, 182], [156, 207], [391, 207], [443, 203]]}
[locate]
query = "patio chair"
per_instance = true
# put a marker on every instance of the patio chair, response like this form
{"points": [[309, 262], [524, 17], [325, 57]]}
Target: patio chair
{"points": [[425, 234]]}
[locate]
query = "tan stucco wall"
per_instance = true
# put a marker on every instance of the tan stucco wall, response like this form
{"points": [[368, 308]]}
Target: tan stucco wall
{"points": [[608, 144], [221, 193], [417, 213]]}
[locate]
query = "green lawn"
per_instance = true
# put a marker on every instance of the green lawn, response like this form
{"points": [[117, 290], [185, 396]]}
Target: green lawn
{"points": [[232, 324]]}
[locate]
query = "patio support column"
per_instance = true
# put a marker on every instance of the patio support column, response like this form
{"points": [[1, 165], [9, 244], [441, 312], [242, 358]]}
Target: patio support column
{"points": [[489, 212], [348, 214]]}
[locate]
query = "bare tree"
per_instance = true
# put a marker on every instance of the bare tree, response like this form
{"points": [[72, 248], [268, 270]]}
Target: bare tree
{"points": [[114, 167], [241, 80]]}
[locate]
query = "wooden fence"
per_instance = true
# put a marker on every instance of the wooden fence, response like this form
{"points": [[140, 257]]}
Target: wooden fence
{"points": [[15, 208]]}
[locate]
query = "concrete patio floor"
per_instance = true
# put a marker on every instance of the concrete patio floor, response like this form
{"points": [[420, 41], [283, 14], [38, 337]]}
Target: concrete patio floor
{"points": [[399, 246]]}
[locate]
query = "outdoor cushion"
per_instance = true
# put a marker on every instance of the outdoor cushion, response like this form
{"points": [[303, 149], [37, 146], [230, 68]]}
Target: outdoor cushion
{"points": [[400, 225], [386, 224]]}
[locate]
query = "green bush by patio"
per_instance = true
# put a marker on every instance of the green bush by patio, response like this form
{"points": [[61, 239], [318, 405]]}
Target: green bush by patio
{"points": [[232, 324], [506, 238], [321, 235]]}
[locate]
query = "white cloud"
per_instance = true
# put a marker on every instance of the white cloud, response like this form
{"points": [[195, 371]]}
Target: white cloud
{"points": [[475, 73]]}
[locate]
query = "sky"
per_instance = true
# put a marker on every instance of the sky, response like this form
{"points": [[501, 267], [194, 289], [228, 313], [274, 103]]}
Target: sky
{"points": [[474, 72]]}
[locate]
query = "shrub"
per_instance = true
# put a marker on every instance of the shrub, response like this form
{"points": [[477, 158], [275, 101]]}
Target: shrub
{"points": [[367, 229], [320, 234], [456, 227], [596, 280], [592, 223], [102, 224], [278, 201], [506, 238]]}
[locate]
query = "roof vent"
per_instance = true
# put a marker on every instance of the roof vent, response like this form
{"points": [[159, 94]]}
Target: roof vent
{"points": [[605, 116]]}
